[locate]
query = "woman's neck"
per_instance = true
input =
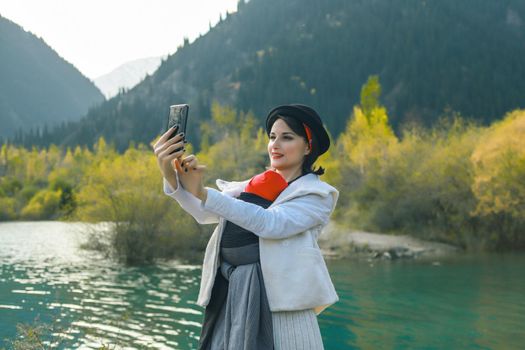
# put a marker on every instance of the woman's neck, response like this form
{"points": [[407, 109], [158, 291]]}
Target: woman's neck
{"points": [[290, 174]]}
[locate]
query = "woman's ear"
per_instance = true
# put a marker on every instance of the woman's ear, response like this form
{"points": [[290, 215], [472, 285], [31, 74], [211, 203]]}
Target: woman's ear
{"points": [[307, 149]]}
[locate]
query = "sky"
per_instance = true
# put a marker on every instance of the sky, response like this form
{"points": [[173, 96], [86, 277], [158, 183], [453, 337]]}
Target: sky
{"points": [[97, 36]]}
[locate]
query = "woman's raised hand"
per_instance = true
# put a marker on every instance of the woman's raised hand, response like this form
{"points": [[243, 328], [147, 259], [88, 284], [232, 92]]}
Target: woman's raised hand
{"points": [[191, 175], [169, 152], [166, 150]]}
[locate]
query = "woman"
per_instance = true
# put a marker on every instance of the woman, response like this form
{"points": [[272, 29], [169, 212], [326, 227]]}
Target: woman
{"points": [[264, 279]]}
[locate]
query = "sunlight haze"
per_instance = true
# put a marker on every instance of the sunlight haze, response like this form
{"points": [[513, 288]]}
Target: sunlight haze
{"points": [[97, 36]]}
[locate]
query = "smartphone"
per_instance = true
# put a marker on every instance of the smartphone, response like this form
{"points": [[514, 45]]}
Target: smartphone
{"points": [[178, 116]]}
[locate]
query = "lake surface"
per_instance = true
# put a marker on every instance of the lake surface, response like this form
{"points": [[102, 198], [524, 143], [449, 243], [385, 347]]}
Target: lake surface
{"points": [[458, 302]]}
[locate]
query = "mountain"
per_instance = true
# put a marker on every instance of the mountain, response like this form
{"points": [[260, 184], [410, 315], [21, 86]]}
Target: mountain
{"points": [[37, 86], [430, 56], [127, 75]]}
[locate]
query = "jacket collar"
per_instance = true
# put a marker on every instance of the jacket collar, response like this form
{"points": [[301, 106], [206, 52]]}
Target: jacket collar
{"points": [[307, 184]]}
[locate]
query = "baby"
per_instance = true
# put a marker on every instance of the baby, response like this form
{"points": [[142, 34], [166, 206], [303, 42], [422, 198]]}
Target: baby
{"points": [[267, 185]]}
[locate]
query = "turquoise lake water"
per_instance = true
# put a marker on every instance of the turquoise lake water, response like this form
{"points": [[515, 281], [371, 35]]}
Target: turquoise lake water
{"points": [[458, 302]]}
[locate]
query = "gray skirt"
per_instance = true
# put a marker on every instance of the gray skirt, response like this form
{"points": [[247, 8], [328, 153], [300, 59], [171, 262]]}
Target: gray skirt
{"points": [[245, 320], [292, 330]]}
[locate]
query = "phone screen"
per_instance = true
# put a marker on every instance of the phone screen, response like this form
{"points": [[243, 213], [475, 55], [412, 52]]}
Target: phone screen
{"points": [[178, 116]]}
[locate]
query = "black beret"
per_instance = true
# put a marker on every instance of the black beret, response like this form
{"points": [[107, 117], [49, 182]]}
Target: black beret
{"points": [[306, 115]]}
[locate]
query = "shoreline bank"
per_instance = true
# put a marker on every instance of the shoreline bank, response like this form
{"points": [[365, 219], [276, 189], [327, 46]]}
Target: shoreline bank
{"points": [[337, 242]]}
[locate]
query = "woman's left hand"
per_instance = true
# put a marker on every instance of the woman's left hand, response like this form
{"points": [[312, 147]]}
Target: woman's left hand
{"points": [[191, 176]]}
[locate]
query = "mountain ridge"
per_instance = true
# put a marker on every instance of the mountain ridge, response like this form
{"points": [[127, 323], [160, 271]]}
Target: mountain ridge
{"points": [[126, 75], [430, 57], [38, 86]]}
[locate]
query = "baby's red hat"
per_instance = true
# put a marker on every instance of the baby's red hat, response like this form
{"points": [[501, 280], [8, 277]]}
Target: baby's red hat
{"points": [[267, 185]]}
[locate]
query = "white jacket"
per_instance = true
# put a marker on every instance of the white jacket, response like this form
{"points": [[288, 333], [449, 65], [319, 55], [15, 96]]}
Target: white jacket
{"points": [[294, 271]]}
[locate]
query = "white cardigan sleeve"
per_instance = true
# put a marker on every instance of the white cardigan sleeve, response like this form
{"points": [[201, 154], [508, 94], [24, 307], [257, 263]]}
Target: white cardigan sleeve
{"points": [[190, 203], [284, 220]]}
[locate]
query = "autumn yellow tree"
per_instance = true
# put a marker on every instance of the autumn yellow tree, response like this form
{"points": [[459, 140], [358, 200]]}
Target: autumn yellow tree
{"points": [[127, 191], [363, 149], [499, 185], [240, 147]]}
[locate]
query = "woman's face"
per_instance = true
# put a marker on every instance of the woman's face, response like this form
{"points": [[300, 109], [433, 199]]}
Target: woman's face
{"points": [[285, 148]]}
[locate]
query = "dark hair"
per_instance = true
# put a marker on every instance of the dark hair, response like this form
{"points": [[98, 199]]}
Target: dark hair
{"points": [[311, 157]]}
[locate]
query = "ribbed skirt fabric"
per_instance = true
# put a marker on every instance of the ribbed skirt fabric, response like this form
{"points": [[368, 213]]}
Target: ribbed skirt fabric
{"points": [[294, 330]]}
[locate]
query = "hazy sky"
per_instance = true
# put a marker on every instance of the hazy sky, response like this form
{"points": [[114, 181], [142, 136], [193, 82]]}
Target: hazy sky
{"points": [[98, 35]]}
